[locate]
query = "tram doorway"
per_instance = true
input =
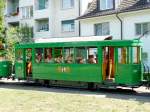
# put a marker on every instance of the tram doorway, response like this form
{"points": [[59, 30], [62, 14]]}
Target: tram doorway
{"points": [[108, 63], [28, 59]]}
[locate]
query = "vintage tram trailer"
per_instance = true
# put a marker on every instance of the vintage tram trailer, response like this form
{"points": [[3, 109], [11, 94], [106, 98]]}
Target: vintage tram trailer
{"points": [[89, 61], [5, 64]]}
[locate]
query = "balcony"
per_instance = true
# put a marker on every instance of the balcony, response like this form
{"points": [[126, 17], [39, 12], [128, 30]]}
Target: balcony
{"points": [[12, 11], [41, 9], [12, 19], [42, 28]]}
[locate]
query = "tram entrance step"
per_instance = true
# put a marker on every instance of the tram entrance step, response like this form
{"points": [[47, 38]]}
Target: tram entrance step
{"points": [[109, 82]]}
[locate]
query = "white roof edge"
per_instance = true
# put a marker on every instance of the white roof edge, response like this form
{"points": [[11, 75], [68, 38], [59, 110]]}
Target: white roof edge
{"points": [[72, 39]]}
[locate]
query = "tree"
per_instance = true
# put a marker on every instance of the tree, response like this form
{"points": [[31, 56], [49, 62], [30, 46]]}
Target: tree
{"points": [[2, 29], [13, 37], [16, 35], [26, 33]]}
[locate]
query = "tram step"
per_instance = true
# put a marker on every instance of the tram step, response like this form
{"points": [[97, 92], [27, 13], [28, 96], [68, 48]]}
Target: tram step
{"points": [[109, 82]]}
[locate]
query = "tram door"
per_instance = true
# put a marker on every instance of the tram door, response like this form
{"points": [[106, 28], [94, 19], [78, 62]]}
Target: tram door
{"points": [[108, 63], [28, 62]]}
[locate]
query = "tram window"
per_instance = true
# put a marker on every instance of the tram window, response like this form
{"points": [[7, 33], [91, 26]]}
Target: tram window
{"points": [[58, 55], [136, 54], [38, 55], [68, 55], [122, 55], [92, 55], [48, 55], [19, 55], [28, 54], [81, 54]]}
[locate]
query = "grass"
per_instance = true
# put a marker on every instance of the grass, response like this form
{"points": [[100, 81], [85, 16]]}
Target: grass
{"points": [[14, 100]]}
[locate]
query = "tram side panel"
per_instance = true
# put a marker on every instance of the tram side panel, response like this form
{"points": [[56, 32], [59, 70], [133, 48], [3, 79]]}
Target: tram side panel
{"points": [[68, 72], [5, 68]]}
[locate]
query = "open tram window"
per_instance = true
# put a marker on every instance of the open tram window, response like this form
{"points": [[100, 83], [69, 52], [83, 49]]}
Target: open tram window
{"points": [[28, 55], [38, 55], [136, 55], [69, 55], [122, 55], [58, 55], [81, 54], [48, 55], [19, 55], [92, 55]]}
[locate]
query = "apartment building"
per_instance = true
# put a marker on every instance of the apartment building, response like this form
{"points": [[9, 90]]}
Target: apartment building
{"points": [[123, 19], [49, 18]]}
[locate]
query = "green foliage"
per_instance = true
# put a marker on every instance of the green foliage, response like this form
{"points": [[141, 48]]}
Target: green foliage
{"points": [[26, 33], [2, 29], [13, 37], [16, 35]]}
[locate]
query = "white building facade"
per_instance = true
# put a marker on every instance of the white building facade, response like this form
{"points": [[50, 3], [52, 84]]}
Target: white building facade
{"points": [[127, 24], [49, 18]]}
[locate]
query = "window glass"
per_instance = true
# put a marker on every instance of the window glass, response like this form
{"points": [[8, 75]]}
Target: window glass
{"points": [[136, 54], [68, 26], [43, 25], [27, 12], [67, 4], [69, 55], [38, 55], [122, 55], [102, 29], [106, 4], [81, 55], [92, 55], [43, 4], [58, 55], [19, 55], [142, 28], [48, 55]]}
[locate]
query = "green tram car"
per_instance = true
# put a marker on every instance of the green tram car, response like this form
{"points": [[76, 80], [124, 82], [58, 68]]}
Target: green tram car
{"points": [[5, 65], [88, 63]]}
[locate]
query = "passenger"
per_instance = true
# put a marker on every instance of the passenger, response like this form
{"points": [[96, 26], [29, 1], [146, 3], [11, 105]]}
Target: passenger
{"points": [[91, 59], [81, 61], [69, 59], [29, 68], [39, 58], [59, 59], [48, 59]]}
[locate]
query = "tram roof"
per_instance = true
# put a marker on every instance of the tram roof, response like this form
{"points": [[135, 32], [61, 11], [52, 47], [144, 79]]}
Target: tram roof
{"points": [[80, 41], [73, 39]]}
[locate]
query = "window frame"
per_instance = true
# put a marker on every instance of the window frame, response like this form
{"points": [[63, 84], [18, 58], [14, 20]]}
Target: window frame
{"points": [[65, 8], [102, 28], [70, 26], [27, 12], [106, 5], [141, 28], [45, 5], [42, 55]]}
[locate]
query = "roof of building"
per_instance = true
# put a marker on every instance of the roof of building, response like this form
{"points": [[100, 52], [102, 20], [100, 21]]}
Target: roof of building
{"points": [[125, 6]]}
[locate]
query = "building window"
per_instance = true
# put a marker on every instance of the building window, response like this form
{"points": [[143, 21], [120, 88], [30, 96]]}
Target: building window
{"points": [[142, 28], [67, 4], [42, 4], [106, 4], [68, 26], [27, 12], [102, 29], [43, 25]]}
